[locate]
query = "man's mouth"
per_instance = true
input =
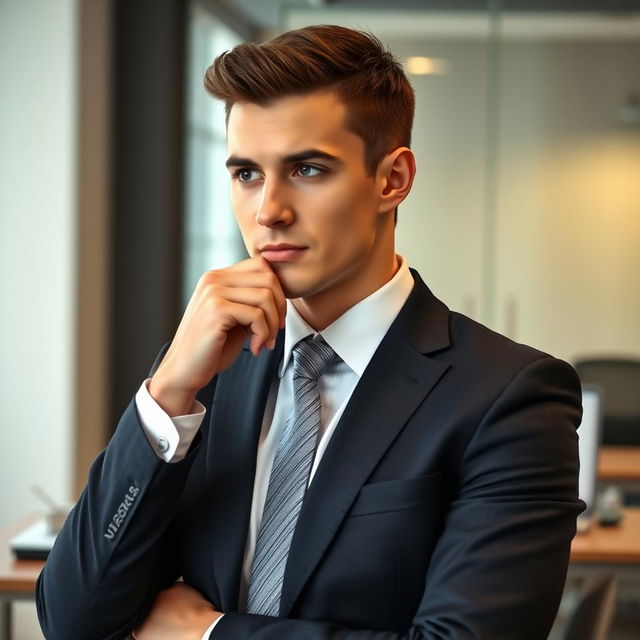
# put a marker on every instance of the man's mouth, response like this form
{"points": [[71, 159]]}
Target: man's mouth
{"points": [[282, 252]]}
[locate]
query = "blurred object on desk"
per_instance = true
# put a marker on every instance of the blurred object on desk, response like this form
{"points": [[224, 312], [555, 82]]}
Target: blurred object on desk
{"points": [[609, 506], [589, 434], [619, 545], [56, 514], [34, 542], [620, 381], [621, 466]]}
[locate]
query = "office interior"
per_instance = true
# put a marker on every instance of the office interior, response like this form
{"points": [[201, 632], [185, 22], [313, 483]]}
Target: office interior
{"points": [[525, 213]]}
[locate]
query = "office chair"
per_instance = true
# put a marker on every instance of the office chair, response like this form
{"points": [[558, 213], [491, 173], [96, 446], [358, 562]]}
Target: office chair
{"points": [[593, 611], [620, 381]]}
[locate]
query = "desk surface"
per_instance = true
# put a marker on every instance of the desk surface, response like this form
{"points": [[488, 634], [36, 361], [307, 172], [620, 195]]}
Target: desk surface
{"points": [[18, 576], [617, 544], [619, 463]]}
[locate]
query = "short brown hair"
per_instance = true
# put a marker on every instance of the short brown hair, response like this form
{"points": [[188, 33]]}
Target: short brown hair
{"points": [[379, 99]]}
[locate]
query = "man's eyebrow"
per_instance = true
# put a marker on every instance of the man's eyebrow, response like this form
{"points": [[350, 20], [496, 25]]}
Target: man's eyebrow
{"points": [[235, 161], [301, 156], [309, 154]]}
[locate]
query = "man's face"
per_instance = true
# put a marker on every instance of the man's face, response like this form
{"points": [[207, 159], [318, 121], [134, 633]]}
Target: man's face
{"points": [[302, 197]]}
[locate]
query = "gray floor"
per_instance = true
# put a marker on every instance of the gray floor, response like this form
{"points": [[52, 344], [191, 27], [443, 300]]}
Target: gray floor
{"points": [[626, 623], [629, 630]]}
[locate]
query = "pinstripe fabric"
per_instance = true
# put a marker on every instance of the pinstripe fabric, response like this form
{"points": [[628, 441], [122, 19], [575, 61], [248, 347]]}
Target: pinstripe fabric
{"points": [[289, 476]]}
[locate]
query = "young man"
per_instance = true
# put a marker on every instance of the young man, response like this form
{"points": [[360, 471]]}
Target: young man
{"points": [[324, 450]]}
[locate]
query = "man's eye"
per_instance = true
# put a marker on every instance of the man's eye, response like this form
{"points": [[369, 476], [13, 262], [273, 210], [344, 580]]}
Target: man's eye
{"points": [[308, 171], [246, 175]]}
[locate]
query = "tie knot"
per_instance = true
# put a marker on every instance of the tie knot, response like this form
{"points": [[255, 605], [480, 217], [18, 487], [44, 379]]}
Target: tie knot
{"points": [[311, 358]]}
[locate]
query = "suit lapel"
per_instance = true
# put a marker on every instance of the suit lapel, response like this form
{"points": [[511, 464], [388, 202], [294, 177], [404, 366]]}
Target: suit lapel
{"points": [[235, 423], [395, 383]]}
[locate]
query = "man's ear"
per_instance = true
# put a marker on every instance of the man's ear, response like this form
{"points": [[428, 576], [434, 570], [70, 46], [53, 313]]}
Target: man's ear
{"points": [[395, 172]]}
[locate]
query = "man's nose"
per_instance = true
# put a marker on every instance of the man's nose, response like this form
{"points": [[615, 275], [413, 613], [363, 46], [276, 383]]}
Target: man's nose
{"points": [[274, 208]]}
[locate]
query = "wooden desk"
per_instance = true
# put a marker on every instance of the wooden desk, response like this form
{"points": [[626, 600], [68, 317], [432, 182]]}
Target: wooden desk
{"points": [[618, 544], [619, 463], [609, 550], [17, 577], [600, 550]]}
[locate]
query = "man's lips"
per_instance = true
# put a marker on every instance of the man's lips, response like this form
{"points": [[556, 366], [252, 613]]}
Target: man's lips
{"points": [[281, 252]]}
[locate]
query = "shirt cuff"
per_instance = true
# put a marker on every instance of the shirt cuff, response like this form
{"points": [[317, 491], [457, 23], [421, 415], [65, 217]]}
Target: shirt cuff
{"points": [[169, 437], [206, 634]]}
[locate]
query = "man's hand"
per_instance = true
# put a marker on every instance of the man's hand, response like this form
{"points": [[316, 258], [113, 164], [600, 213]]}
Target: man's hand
{"points": [[179, 613], [227, 306]]}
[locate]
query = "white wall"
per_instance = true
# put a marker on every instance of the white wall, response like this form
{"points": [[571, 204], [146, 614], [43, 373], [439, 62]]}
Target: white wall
{"points": [[568, 219], [37, 248], [441, 224]]}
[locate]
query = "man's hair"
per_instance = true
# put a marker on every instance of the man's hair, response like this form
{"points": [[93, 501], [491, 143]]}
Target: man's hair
{"points": [[370, 82]]}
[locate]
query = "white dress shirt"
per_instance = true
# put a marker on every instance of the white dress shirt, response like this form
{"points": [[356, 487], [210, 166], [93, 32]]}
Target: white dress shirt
{"points": [[354, 336]]}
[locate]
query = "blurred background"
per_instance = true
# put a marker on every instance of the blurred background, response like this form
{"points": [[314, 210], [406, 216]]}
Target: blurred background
{"points": [[525, 213]]}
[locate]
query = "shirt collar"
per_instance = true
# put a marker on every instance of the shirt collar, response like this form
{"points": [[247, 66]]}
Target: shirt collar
{"points": [[356, 334]]}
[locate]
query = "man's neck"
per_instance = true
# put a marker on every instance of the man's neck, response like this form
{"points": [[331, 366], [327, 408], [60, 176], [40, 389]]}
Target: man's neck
{"points": [[324, 308]]}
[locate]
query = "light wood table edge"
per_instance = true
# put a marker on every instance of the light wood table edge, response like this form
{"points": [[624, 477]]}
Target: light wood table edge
{"points": [[17, 576]]}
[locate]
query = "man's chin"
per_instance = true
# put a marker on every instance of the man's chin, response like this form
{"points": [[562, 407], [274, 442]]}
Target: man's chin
{"points": [[300, 281], [294, 292], [293, 287]]}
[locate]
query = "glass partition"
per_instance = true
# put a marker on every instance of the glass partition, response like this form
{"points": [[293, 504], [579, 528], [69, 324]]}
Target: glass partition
{"points": [[568, 207], [525, 212]]}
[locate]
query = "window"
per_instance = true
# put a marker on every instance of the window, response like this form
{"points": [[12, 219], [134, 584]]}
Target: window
{"points": [[212, 239]]}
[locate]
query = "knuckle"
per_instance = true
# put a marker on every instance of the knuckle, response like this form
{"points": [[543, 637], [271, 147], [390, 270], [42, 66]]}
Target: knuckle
{"points": [[209, 277], [204, 279]]}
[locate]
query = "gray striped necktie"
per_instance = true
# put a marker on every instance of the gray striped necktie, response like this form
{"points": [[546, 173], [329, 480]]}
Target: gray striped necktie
{"points": [[289, 476]]}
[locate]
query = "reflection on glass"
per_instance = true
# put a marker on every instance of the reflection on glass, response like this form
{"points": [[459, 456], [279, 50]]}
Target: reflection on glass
{"points": [[525, 212]]}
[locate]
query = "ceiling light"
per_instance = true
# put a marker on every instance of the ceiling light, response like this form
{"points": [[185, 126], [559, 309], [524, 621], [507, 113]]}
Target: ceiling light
{"points": [[422, 66]]}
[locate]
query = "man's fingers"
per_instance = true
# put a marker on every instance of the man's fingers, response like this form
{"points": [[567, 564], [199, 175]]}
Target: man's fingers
{"points": [[257, 263], [227, 306], [236, 314], [265, 276], [212, 282], [263, 298]]}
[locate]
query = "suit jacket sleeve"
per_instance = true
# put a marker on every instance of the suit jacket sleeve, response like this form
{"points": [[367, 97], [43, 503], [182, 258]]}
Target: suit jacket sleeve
{"points": [[499, 567], [114, 552]]}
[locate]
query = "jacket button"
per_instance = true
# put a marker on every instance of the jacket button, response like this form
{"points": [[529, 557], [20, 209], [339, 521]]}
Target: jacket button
{"points": [[163, 445]]}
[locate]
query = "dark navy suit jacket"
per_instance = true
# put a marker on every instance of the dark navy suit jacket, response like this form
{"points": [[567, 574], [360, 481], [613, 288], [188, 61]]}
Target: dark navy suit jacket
{"points": [[443, 507]]}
